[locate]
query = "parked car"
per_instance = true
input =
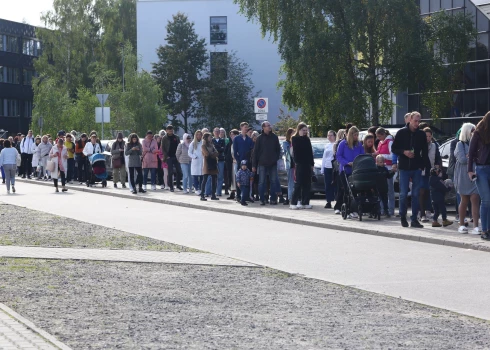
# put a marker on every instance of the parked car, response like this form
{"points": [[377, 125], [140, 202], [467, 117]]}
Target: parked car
{"points": [[318, 145]]}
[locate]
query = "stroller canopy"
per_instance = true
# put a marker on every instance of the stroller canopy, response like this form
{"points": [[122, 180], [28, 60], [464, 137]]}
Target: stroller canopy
{"points": [[364, 163]]}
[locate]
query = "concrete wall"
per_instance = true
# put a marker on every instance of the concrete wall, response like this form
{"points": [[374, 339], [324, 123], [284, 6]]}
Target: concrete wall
{"points": [[244, 38]]}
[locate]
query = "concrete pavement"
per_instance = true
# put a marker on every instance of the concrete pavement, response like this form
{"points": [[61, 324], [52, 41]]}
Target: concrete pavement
{"points": [[317, 217], [446, 277]]}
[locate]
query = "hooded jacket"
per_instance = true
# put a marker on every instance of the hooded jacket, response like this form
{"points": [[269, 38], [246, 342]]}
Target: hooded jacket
{"points": [[182, 153]]}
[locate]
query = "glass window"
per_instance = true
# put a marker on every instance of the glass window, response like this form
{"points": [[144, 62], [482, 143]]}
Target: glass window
{"points": [[446, 4], [28, 109], [482, 75], [28, 75], [458, 3], [28, 46], [12, 76], [2, 79], [471, 11], [1, 43], [12, 44], [469, 108], [482, 47], [481, 102], [424, 6], [219, 30], [482, 22], [38, 48], [470, 76], [2, 110], [12, 108], [413, 102], [435, 5]]}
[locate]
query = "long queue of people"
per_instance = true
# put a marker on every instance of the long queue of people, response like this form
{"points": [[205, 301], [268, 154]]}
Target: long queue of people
{"points": [[245, 164]]}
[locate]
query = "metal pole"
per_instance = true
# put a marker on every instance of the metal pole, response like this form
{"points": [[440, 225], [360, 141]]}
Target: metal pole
{"points": [[102, 136], [123, 69]]}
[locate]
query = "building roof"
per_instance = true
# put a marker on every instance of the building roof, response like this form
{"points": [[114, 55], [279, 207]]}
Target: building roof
{"points": [[483, 6]]}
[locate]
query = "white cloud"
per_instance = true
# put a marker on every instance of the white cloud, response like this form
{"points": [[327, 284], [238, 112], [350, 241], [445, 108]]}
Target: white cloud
{"points": [[25, 10]]}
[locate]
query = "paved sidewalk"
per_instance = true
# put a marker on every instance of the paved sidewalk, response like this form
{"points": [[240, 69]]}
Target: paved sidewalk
{"points": [[317, 217], [18, 333], [121, 256]]}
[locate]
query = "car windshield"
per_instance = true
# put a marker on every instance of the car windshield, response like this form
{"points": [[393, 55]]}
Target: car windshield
{"points": [[318, 149]]}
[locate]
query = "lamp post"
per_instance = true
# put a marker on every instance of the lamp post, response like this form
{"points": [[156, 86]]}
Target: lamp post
{"points": [[122, 54]]}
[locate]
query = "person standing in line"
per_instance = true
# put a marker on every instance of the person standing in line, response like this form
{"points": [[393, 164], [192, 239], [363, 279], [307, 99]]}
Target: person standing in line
{"points": [[339, 197], [286, 147], [242, 150], [81, 159], [169, 147], [8, 160], [59, 155], [35, 156], [452, 167], [368, 143], [210, 165], [160, 181], [220, 145], [26, 155], [435, 162], [466, 188], [227, 180], [411, 147], [438, 189], [43, 153], [1, 167], [479, 170], [304, 163], [384, 149], [134, 151], [244, 179], [266, 152], [195, 153], [185, 161], [229, 166], [118, 161], [347, 152], [150, 160], [70, 147], [327, 169]]}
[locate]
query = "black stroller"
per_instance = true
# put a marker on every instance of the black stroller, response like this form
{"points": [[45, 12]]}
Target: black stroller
{"points": [[361, 194]]}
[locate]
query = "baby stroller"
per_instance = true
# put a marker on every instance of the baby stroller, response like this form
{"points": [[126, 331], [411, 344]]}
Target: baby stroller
{"points": [[361, 195], [98, 171]]}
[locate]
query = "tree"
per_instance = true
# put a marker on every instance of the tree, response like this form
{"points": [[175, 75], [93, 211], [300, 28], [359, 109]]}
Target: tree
{"points": [[179, 71], [343, 58], [227, 99], [286, 121]]}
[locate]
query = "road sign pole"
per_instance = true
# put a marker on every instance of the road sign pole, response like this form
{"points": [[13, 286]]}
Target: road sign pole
{"points": [[102, 136]]}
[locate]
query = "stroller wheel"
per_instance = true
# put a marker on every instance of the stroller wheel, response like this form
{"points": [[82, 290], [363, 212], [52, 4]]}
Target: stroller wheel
{"points": [[359, 211], [343, 210]]}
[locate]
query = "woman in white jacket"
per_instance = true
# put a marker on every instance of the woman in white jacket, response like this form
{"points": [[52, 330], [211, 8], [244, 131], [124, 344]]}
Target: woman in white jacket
{"points": [[59, 155], [35, 154], [195, 153]]}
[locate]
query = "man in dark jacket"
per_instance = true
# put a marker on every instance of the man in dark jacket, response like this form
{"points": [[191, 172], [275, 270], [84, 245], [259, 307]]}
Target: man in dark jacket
{"points": [[169, 147], [242, 149], [266, 153], [411, 147], [219, 144]]}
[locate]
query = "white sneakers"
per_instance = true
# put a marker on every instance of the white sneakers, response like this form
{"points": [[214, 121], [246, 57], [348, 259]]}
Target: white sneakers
{"points": [[463, 229], [154, 187], [337, 212], [185, 191], [308, 206], [144, 187], [198, 193], [475, 231], [294, 207], [162, 187]]}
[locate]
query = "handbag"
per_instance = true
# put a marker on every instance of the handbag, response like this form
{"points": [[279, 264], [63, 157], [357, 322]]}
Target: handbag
{"points": [[50, 165], [116, 163], [18, 159], [212, 163]]}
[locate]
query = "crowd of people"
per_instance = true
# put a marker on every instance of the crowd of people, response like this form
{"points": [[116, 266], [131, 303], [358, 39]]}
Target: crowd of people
{"points": [[244, 163]]}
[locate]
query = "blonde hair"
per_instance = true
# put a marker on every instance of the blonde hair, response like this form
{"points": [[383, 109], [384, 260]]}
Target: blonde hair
{"points": [[194, 145], [465, 134], [340, 134], [350, 137], [380, 157]]}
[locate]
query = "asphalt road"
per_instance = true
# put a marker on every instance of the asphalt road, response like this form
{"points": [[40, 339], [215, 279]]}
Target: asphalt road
{"points": [[441, 276]]}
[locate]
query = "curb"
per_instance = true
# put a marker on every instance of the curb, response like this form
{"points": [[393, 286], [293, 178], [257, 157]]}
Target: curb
{"points": [[403, 236], [48, 337]]}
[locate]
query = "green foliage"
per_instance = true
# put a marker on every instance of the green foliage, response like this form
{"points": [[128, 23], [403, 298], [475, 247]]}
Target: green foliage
{"points": [[285, 122], [180, 69], [344, 58], [227, 99]]}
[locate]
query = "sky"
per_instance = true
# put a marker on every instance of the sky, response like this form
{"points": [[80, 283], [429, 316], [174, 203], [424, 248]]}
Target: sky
{"points": [[25, 10]]}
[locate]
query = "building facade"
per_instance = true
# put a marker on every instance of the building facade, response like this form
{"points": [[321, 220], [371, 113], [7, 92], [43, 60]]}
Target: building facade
{"points": [[18, 48], [225, 30], [472, 102]]}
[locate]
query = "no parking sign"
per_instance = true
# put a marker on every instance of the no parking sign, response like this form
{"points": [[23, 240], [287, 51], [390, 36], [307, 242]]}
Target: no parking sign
{"points": [[261, 105]]}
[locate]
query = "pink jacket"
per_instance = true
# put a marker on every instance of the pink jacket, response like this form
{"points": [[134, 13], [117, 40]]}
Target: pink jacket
{"points": [[150, 156]]}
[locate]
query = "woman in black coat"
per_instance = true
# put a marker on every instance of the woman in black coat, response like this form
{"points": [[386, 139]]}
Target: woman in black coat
{"points": [[304, 165]]}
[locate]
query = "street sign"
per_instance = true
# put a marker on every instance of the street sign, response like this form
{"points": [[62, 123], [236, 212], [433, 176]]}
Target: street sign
{"points": [[261, 117], [261, 105], [102, 98], [103, 115]]}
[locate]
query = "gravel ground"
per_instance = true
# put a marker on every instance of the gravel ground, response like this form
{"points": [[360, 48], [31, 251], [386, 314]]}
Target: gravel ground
{"points": [[94, 305], [26, 227]]}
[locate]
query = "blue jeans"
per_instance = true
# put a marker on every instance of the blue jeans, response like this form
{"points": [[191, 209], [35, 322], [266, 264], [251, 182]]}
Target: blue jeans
{"points": [[391, 199], [197, 182], [329, 187], [153, 172], [290, 183], [221, 177], [208, 186], [263, 172], [405, 176], [186, 176], [483, 185]]}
